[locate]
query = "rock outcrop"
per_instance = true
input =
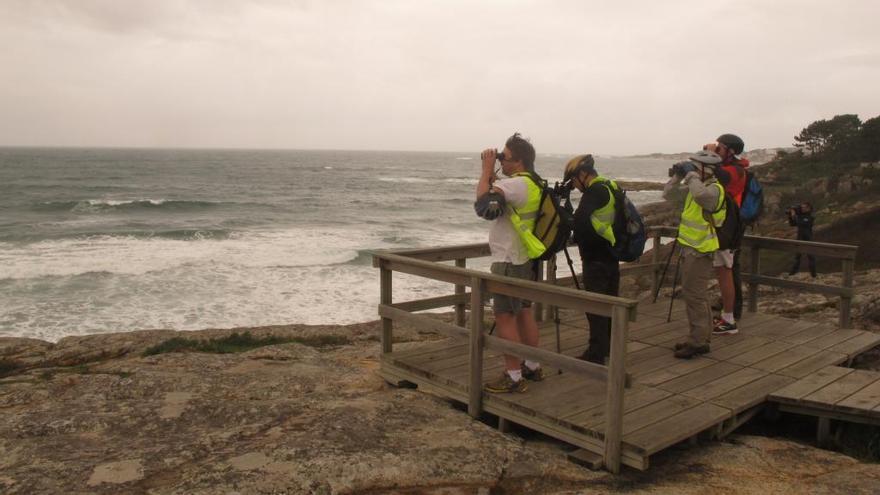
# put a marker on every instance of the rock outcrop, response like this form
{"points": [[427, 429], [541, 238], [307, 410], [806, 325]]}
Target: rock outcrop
{"points": [[93, 415]]}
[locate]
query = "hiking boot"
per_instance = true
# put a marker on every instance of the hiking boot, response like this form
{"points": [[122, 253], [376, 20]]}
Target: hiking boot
{"points": [[505, 384], [688, 351], [725, 328], [586, 356], [535, 375]]}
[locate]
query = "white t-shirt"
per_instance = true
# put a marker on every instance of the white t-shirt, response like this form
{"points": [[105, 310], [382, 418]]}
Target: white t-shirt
{"points": [[504, 242]]}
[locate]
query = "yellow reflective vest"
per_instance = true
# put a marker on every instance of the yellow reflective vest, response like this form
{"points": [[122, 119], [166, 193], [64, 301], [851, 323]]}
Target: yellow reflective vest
{"points": [[523, 219], [695, 229], [602, 219]]}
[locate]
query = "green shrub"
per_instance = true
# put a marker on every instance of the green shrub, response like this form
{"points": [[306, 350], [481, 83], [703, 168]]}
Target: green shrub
{"points": [[241, 342]]}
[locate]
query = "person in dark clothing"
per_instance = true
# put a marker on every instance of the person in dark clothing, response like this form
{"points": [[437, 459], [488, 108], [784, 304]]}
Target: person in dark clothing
{"points": [[802, 218], [594, 235]]}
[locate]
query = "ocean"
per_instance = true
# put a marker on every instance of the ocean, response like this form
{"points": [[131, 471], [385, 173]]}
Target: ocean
{"points": [[109, 240]]}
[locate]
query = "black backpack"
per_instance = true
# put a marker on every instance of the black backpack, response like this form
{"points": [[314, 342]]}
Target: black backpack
{"points": [[730, 233], [629, 228], [555, 219]]}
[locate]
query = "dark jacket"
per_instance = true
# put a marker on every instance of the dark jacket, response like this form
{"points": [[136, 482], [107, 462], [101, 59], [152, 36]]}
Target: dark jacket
{"points": [[591, 246], [804, 224]]}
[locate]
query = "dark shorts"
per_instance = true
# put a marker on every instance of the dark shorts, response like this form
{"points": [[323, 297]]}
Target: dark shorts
{"points": [[507, 304]]}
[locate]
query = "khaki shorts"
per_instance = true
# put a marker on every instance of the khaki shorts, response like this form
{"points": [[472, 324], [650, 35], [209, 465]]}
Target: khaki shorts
{"points": [[507, 304], [723, 257]]}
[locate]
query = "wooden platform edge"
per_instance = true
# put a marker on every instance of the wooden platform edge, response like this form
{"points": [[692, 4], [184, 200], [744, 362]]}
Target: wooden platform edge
{"points": [[629, 457]]}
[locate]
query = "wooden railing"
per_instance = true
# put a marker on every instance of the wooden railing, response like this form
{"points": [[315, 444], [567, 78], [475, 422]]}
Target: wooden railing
{"points": [[754, 244], [424, 263]]}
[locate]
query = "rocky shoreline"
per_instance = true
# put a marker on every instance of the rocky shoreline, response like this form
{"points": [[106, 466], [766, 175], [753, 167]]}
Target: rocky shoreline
{"points": [[94, 414]]}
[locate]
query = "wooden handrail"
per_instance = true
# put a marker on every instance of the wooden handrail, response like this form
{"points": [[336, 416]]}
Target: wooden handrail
{"points": [[416, 262], [589, 302]]}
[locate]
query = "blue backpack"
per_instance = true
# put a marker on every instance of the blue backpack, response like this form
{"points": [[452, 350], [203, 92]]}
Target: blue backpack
{"points": [[629, 229], [752, 200]]}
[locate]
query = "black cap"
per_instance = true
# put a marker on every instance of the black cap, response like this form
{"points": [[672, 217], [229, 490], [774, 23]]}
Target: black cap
{"points": [[733, 142]]}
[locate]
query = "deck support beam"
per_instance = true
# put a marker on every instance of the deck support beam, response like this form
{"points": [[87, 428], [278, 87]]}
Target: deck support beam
{"points": [[615, 391], [475, 390]]}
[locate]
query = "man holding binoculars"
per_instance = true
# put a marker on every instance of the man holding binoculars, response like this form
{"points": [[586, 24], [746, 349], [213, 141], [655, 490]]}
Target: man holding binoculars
{"points": [[693, 185]]}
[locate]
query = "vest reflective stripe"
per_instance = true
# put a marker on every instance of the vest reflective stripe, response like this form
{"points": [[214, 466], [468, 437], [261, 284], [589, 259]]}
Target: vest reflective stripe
{"points": [[694, 230], [523, 219], [602, 219]]}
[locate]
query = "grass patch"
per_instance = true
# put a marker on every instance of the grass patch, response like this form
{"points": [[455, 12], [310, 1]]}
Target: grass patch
{"points": [[241, 342]]}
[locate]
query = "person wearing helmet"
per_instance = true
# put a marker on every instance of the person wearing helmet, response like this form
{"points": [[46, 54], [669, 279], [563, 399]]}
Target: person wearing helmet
{"points": [[693, 186], [495, 200], [732, 175], [594, 235]]}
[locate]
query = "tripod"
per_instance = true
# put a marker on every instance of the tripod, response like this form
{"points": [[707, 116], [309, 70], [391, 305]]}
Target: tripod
{"points": [[674, 280]]}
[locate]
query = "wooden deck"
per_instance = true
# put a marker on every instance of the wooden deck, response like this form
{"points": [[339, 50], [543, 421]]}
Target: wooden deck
{"points": [[670, 400], [834, 393]]}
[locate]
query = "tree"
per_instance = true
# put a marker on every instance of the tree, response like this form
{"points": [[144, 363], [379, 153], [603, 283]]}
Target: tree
{"points": [[843, 133], [869, 140], [836, 136], [813, 137]]}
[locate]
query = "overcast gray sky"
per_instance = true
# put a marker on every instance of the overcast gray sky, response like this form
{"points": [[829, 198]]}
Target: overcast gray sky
{"points": [[605, 77]]}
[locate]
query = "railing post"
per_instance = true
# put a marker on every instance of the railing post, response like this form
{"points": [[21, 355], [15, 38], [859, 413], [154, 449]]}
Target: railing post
{"points": [[460, 289], [551, 278], [385, 298], [655, 260], [616, 387], [539, 308], [846, 301], [475, 390], [755, 269]]}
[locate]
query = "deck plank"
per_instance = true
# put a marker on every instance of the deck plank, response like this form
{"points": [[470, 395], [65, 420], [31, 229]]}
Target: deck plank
{"points": [[794, 392], [812, 364], [699, 378], [760, 353], [866, 399], [785, 359], [637, 398], [751, 394], [846, 385], [725, 384], [674, 429], [812, 333], [858, 344]]}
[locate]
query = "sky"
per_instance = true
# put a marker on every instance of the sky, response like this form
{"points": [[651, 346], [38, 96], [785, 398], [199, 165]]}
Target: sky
{"points": [[604, 77]]}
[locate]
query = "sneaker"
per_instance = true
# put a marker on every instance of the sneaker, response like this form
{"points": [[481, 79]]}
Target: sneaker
{"points": [[688, 351], [716, 320], [505, 384], [535, 375], [680, 345], [724, 328]]}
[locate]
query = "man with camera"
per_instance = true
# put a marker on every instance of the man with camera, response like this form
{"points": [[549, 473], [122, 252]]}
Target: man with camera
{"points": [[801, 216], [594, 235], [732, 175], [702, 199], [505, 201]]}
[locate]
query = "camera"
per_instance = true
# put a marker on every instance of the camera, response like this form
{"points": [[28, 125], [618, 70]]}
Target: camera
{"points": [[682, 168]]}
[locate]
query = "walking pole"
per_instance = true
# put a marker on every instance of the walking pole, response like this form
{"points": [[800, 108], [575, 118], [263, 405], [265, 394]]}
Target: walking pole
{"points": [[663, 277], [674, 280]]}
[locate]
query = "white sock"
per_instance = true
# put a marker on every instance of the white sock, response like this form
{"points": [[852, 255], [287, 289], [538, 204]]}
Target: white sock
{"points": [[532, 365], [728, 317], [515, 375]]}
